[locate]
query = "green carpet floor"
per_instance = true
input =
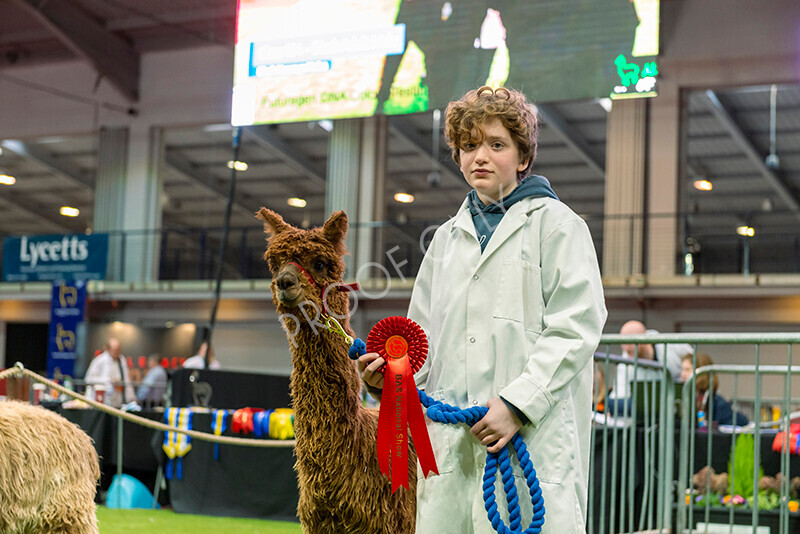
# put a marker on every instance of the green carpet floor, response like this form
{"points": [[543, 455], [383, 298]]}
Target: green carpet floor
{"points": [[114, 521]]}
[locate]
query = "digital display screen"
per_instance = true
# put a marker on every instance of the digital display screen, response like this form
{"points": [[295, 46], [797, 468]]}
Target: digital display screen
{"points": [[302, 60]]}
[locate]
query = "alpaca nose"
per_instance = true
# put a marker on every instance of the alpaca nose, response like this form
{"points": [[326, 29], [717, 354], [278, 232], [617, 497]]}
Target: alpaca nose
{"points": [[285, 281]]}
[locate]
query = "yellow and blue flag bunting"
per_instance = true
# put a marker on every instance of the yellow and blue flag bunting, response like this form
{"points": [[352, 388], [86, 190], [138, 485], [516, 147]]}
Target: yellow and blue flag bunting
{"points": [[281, 424], [176, 445], [219, 422]]}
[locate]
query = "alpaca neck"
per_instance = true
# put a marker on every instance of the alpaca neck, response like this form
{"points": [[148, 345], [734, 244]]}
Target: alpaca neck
{"points": [[325, 382]]}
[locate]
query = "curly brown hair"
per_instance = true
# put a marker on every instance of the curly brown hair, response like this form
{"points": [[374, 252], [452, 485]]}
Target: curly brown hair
{"points": [[479, 106]]}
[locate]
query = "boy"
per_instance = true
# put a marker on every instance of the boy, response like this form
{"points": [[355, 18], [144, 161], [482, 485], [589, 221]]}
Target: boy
{"points": [[509, 294]]}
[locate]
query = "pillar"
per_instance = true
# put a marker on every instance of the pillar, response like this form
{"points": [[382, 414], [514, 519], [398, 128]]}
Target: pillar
{"points": [[143, 192], [371, 188], [342, 178], [667, 113], [625, 188], [110, 183]]}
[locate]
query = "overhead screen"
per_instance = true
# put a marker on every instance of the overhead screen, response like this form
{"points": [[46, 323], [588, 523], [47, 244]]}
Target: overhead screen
{"points": [[300, 60]]}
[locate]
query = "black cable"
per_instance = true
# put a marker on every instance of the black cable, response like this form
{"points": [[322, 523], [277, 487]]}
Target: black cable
{"points": [[237, 137]]}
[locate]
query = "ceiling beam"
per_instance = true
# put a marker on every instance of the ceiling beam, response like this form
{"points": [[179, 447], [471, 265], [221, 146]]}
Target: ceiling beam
{"points": [[186, 168], [405, 129], [294, 158], [20, 203], [573, 139], [30, 34], [112, 56], [724, 115], [60, 167], [177, 18]]}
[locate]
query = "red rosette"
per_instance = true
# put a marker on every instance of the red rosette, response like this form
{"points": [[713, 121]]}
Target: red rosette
{"points": [[394, 337], [404, 346]]}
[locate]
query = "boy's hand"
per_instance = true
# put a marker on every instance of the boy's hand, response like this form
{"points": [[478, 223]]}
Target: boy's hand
{"points": [[368, 365], [499, 424]]}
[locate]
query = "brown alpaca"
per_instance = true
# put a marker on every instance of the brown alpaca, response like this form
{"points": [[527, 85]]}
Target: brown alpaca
{"points": [[342, 490], [48, 473]]}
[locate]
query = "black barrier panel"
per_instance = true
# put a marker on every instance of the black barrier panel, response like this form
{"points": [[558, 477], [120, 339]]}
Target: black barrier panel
{"points": [[230, 390], [242, 482]]}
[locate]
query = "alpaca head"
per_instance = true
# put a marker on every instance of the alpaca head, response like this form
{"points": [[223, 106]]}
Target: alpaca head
{"points": [[306, 266]]}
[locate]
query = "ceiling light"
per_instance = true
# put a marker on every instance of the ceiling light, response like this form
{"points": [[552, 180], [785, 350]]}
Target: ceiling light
{"points": [[326, 125], [7, 180], [703, 185], [605, 103], [51, 140], [405, 198], [296, 202], [221, 127], [67, 211], [747, 231], [238, 165]]}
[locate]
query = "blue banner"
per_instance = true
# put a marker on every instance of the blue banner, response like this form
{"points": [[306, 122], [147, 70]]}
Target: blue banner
{"points": [[67, 308], [53, 257]]}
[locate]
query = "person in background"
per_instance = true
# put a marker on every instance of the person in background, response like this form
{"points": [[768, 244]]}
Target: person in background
{"points": [[198, 360], [717, 410], [669, 356], [154, 385], [111, 370]]}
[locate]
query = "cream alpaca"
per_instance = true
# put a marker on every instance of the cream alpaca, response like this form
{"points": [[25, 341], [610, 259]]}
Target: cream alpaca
{"points": [[48, 473]]}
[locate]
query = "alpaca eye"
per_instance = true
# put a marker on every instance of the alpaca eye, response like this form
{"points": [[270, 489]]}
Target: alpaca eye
{"points": [[319, 265]]}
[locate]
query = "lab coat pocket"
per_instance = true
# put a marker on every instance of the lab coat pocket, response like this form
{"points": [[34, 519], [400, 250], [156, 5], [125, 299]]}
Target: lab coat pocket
{"points": [[442, 440], [547, 445], [519, 297]]}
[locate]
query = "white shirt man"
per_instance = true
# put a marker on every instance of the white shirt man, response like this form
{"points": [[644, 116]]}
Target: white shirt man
{"points": [[110, 370], [669, 355]]}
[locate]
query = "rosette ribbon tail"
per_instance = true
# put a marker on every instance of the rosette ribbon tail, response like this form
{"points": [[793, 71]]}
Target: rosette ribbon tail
{"points": [[419, 432], [395, 398]]}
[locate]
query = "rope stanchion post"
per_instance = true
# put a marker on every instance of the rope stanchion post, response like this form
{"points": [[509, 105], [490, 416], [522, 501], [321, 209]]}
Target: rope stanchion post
{"points": [[119, 461]]}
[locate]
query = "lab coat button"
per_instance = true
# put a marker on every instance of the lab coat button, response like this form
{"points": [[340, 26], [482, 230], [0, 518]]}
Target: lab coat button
{"points": [[472, 340], [475, 402], [475, 277]]}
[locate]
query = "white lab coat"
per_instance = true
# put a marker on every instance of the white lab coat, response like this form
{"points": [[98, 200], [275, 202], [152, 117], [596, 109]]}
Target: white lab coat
{"points": [[520, 320]]}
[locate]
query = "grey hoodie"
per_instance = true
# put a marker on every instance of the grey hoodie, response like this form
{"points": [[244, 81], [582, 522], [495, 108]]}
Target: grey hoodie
{"points": [[486, 217]]}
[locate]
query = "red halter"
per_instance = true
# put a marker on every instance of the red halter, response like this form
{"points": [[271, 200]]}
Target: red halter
{"points": [[340, 287]]}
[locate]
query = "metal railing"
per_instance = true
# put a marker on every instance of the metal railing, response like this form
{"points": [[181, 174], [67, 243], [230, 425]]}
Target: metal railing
{"points": [[708, 244], [634, 486], [631, 438]]}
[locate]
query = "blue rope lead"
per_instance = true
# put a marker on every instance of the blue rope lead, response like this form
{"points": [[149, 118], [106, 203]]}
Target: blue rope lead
{"points": [[445, 413]]}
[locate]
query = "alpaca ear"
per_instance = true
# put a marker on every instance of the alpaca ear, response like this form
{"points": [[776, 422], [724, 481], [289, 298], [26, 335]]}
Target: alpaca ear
{"points": [[273, 223], [335, 229]]}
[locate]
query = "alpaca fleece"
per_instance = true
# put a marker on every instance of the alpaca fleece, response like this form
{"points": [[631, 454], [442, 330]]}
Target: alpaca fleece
{"points": [[48, 473], [341, 487]]}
